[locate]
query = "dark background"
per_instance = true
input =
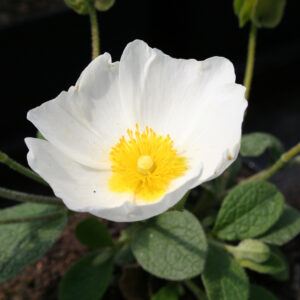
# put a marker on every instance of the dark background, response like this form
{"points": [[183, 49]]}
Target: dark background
{"points": [[44, 53]]}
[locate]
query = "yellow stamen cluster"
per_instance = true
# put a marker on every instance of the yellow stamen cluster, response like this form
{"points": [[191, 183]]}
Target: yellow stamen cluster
{"points": [[144, 164]]}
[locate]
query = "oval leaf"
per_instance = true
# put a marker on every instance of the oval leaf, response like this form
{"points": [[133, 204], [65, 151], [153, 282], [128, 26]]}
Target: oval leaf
{"points": [[167, 292], [260, 293], [94, 234], [223, 277], [248, 210], [24, 243], [171, 246], [285, 229], [88, 278], [255, 144]]}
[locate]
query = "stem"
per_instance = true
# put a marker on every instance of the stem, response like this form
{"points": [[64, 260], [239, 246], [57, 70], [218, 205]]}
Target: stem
{"points": [[250, 60], [32, 219], [284, 158], [20, 168], [24, 197], [198, 293], [94, 31]]}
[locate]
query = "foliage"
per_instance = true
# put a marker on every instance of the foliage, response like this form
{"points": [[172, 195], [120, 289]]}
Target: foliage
{"points": [[234, 226]]}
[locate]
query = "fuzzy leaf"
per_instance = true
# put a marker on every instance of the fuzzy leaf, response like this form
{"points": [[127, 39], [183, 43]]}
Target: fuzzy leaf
{"points": [[171, 246], [255, 144], [167, 292], [260, 293], [88, 278], [24, 243], [285, 229], [94, 234], [248, 210], [223, 277]]}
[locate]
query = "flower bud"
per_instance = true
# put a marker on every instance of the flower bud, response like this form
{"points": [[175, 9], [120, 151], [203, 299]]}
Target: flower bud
{"points": [[253, 250], [80, 6], [104, 5]]}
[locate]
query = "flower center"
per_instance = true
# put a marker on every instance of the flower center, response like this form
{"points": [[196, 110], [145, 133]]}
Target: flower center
{"points": [[144, 164]]}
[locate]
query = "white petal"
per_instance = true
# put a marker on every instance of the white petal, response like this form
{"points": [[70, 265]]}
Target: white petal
{"points": [[87, 120], [158, 88], [196, 102], [86, 190]]}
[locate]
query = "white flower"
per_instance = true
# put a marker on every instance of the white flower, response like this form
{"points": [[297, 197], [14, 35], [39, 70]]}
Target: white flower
{"points": [[132, 137]]}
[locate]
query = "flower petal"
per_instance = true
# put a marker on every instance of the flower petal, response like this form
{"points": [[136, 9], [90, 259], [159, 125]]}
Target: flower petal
{"points": [[87, 120], [197, 102], [86, 190], [157, 88]]}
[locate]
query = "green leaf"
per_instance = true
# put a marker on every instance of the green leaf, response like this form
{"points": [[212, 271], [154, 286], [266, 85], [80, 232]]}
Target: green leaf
{"points": [[248, 210], [275, 264], [285, 229], [88, 278], [94, 234], [260, 293], [124, 256], [268, 13], [167, 292], [255, 144], [223, 277], [24, 243], [171, 246]]}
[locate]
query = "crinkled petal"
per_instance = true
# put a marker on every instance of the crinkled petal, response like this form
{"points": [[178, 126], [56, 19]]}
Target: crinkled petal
{"points": [[87, 120], [158, 88], [85, 189]]}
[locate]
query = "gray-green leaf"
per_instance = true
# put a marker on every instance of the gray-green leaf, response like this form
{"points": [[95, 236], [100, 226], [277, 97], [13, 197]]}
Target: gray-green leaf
{"points": [[88, 278], [248, 210], [171, 246], [167, 292], [260, 293], [285, 229], [255, 144], [24, 243], [223, 277], [94, 234]]}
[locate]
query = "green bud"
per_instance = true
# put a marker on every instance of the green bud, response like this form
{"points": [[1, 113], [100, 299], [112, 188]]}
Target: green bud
{"points": [[268, 13], [249, 249], [104, 5], [263, 13], [80, 6]]}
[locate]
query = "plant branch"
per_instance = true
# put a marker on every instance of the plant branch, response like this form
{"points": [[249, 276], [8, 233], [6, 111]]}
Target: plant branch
{"points": [[20, 168], [198, 293], [24, 197], [94, 31], [250, 60], [33, 218], [284, 158]]}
